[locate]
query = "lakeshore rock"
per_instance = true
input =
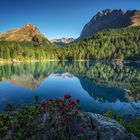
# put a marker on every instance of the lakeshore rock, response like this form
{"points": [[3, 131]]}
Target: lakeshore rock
{"points": [[101, 128], [106, 128]]}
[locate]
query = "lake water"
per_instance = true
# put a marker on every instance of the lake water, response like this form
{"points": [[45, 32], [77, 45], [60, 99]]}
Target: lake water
{"points": [[99, 85]]}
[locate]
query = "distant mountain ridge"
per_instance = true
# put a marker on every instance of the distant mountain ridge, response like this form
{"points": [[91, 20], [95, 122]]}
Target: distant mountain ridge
{"points": [[110, 19], [62, 41], [29, 32]]}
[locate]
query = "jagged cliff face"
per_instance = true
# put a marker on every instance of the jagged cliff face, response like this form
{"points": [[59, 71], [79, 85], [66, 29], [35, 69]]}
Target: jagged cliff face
{"points": [[110, 19], [26, 33], [63, 41]]}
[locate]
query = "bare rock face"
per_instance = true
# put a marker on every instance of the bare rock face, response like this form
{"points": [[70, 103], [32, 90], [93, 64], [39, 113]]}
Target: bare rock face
{"points": [[110, 19]]}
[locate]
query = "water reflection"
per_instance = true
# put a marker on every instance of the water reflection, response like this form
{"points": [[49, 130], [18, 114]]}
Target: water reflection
{"points": [[99, 85]]}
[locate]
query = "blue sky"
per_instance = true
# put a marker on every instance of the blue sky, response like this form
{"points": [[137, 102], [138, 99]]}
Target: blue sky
{"points": [[56, 18]]}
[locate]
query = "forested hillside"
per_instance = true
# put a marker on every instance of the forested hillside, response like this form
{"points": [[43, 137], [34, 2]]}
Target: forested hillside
{"points": [[109, 44], [24, 51], [121, 43]]}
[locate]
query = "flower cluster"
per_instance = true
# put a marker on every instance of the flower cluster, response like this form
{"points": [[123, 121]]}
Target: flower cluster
{"points": [[43, 103], [60, 103], [15, 125], [63, 113], [65, 108], [57, 117], [67, 96]]}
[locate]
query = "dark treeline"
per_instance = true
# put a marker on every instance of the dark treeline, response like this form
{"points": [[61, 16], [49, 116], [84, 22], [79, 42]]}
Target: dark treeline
{"points": [[109, 44]]}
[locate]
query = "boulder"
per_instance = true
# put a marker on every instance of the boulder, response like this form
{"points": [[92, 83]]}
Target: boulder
{"points": [[106, 128]]}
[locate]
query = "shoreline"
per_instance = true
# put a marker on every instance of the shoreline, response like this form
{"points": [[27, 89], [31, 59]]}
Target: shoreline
{"points": [[50, 60]]}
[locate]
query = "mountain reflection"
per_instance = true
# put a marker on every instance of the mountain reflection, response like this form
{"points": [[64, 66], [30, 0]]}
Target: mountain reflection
{"points": [[99, 85], [103, 81]]}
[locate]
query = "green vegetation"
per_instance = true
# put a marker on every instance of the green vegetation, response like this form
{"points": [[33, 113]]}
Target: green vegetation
{"points": [[56, 119], [52, 119], [100, 72], [109, 44], [24, 51], [132, 126]]}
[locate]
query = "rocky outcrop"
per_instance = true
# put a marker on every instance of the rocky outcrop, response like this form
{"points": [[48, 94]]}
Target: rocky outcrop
{"points": [[63, 41], [93, 127], [101, 128], [106, 128], [110, 19]]}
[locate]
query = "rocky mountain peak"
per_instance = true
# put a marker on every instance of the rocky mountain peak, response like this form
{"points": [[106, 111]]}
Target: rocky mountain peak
{"points": [[28, 32], [104, 12], [109, 18], [108, 12], [63, 41], [31, 28], [29, 25]]}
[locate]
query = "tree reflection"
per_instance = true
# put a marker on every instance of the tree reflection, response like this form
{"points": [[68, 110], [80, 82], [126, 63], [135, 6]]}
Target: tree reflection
{"points": [[101, 73]]}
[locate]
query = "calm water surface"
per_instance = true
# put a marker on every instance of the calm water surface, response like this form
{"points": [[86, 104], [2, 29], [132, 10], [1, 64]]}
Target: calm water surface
{"points": [[99, 85]]}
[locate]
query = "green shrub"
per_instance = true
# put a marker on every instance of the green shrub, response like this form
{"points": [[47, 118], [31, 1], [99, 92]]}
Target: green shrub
{"points": [[132, 126]]}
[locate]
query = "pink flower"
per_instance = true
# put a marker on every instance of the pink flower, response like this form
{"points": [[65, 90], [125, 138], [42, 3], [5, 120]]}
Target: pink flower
{"points": [[70, 107], [81, 129], [58, 99], [78, 100], [43, 103], [67, 96], [62, 110], [76, 111], [70, 101], [15, 125]]}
